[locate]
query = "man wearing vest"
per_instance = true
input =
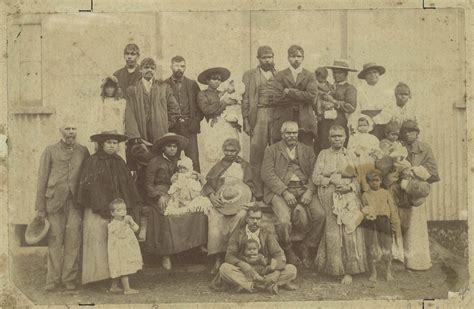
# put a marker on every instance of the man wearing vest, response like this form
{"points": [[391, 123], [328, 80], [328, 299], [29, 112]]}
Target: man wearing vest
{"points": [[286, 172], [184, 116], [257, 110]]}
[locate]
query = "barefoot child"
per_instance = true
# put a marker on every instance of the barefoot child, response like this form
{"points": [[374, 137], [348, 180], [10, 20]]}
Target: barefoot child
{"points": [[123, 249], [381, 220]]}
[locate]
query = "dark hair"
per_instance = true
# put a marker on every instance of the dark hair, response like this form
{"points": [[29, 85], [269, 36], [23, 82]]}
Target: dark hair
{"points": [[118, 92], [321, 71], [116, 201], [251, 241], [372, 174], [337, 127], [254, 208], [363, 119], [392, 126], [214, 76], [402, 85], [177, 58], [263, 50], [294, 49], [231, 142], [147, 61], [132, 47]]}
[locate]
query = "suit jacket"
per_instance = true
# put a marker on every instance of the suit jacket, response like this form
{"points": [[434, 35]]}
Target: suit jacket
{"points": [[192, 89], [58, 175], [275, 167], [250, 98], [421, 154], [303, 93], [270, 247], [135, 117]]}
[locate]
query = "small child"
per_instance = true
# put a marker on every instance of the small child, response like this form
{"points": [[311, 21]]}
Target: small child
{"points": [[381, 220], [324, 108], [267, 275], [122, 246], [232, 112], [185, 190], [363, 146]]}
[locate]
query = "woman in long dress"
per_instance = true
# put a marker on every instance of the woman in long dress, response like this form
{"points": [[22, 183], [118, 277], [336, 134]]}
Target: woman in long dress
{"points": [[221, 122], [413, 219], [105, 177], [342, 250]]}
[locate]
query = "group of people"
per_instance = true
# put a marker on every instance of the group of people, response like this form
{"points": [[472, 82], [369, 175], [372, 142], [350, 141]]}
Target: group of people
{"points": [[340, 168]]}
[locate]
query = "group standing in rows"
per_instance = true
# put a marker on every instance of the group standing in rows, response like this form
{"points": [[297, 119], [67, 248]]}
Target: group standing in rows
{"points": [[341, 169]]}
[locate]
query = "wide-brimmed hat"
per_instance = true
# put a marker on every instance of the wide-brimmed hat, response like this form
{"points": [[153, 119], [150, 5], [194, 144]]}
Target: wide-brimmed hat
{"points": [[370, 66], [234, 194], [180, 140], [341, 65], [204, 76], [108, 135], [36, 230], [300, 219], [417, 191]]}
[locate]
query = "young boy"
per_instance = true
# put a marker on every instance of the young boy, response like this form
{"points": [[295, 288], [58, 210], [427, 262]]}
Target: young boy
{"points": [[381, 220]]}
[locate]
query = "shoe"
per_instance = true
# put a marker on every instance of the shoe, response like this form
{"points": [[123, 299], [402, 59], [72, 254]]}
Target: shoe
{"points": [[289, 287], [70, 286], [50, 287], [292, 258], [166, 262]]}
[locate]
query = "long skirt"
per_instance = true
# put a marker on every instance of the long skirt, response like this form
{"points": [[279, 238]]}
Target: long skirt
{"points": [[167, 235], [339, 253], [220, 227], [416, 243], [95, 263]]}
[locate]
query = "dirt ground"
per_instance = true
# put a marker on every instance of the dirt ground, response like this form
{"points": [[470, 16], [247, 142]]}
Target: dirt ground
{"points": [[189, 283]]}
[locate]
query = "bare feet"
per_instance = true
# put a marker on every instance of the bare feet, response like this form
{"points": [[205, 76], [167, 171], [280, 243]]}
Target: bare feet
{"points": [[292, 258], [116, 289], [373, 277], [130, 291], [347, 279], [389, 276], [273, 289], [166, 262], [289, 287]]}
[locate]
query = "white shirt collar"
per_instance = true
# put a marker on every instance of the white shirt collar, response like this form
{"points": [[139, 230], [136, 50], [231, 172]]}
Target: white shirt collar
{"points": [[147, 84], [342, 83], [295, 72], [253, 235], [268, 74]]}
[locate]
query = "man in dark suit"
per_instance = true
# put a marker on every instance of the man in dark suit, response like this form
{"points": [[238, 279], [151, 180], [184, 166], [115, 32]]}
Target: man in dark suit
{"points": [[257, 110], [184, 115], [294, 92], [286, 172], [58, 178]]}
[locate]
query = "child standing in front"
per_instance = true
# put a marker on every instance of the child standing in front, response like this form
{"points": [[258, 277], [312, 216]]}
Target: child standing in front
{"points": [[362, 147], [123, 249], [381, 220]]}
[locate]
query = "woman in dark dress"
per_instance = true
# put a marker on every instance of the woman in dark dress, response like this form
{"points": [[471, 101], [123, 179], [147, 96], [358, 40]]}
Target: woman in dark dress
{"points": [[105, 177], [168, 235]]}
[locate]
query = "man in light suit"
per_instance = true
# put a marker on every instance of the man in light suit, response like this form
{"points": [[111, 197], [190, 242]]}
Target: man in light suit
{"points": [[256, 111], [58, 178], [294, 92]]}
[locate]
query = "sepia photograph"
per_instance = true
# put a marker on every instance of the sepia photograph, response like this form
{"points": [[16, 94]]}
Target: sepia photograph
{"points": [[258, 156]]}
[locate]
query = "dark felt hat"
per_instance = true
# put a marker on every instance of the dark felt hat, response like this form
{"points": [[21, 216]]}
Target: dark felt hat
{"points": [[370, 66], [36, 230], [204, 76], [108, 135], [169, 137]]}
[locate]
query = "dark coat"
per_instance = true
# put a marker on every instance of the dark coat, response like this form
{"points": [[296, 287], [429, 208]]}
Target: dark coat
{"points": [[158, 177], [104, 178], [275, 168], [58, 175], [192, 89], [303, 93], [135, 118], [250, 98]]}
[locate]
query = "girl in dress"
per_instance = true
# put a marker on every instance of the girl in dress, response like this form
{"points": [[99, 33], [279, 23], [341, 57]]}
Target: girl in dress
{"points": [[122, 246], [362, 147]]}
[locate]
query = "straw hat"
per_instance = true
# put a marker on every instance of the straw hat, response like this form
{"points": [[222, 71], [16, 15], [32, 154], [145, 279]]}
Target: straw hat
{"points": [[370, 66], [36, 230], [341, 65], [234, 194]]}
